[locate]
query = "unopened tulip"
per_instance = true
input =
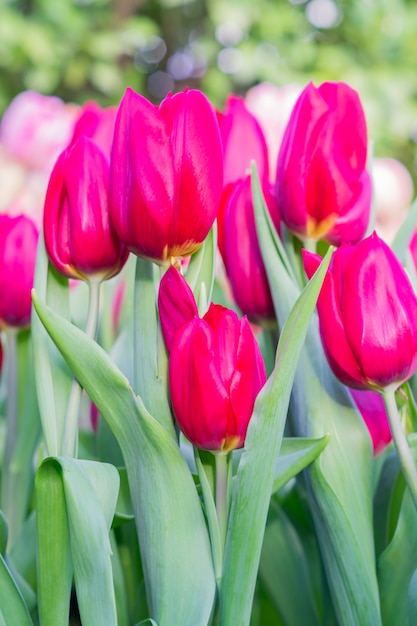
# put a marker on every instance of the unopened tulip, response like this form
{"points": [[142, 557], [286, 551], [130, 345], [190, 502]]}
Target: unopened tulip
{"points": [[367, 311], [79, 237], [216, 371], [96, 123], [243, 141], [323, 189], [239, 247], [18, 246], [166, 174]]}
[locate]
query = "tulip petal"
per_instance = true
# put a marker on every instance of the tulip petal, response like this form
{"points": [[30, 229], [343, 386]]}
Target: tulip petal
{"points": [[198, 168], [176, 304], [142, 177], [199, 399], [380, 309], [336, 346], [238, 122]]}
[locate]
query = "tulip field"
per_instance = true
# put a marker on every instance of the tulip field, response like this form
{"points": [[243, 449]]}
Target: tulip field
{"points": [[208, 335]]}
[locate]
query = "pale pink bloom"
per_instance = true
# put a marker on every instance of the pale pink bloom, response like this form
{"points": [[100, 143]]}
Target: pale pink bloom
{"points": [[393, 192], [35, 128]]}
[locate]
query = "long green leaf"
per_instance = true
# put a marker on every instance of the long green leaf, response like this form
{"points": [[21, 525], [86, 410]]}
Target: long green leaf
{"points": [[53, 379], [339, 481], [250, 503], [284, 571], [150, 357], [13, 609], [75, 507], [172, 533]]}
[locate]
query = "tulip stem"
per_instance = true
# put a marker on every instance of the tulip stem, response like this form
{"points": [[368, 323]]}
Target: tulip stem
{"points": [[401, 444], [223, 467], [70, 435]]}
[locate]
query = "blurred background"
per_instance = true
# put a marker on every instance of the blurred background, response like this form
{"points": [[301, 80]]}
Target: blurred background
{"points": [[93, 49]]}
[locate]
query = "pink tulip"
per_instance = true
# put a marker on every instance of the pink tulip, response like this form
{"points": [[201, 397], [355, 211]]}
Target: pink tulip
{"points": [[96, 123], [79, 237], [239, 247], [18, 247], [35, 128], [243, 141], [367, 311], [322, 186], [166, 174], [372, 409], [215, 370]]}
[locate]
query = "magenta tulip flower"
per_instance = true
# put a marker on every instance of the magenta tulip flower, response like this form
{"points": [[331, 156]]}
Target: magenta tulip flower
{"points": [[96, 123], [216, 369], [243, 141], [79, 237], [322, 186], [166, 174], [367, 311], [239, 247], [18, 247]]}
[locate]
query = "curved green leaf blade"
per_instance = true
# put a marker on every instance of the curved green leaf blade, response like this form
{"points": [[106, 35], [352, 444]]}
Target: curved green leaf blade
{"points": [[296, 453], [82, 509], [13, 609], [249, 507], [172, 533], [53, 379], [284, 572]]}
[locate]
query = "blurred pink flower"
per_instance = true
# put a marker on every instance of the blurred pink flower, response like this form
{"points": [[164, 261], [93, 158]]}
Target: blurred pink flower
{"points": [[35, 128], [393, 193]]}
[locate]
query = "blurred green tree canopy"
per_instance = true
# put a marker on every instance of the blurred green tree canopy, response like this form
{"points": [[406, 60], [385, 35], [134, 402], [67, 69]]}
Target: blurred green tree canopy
{"points": [[93, 49]]}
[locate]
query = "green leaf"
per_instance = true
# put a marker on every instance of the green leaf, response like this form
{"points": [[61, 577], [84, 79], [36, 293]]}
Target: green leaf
{"points": [[284, 572], [150, 356], [201, 270], [296, 453], [75, 507], [249, 507], [340, 480], [53, 380], [398, 562], [412, 601], [173, 537], [13, 609]]}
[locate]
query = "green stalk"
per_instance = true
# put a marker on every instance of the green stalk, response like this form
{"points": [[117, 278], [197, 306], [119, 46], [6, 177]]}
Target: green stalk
{"points": [[401, 444], [70, 436], [223, 467]]}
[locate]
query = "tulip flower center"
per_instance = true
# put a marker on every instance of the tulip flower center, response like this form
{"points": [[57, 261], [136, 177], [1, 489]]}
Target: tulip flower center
{"points": [[319, 229]]}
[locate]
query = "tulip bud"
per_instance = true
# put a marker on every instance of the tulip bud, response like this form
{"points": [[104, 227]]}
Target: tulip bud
{"points": [[216, 371], [239, 247], [322, 186], [367, 311], [96, 123], [18, 246], [166, 174], [79, 237], [237, 123]]}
